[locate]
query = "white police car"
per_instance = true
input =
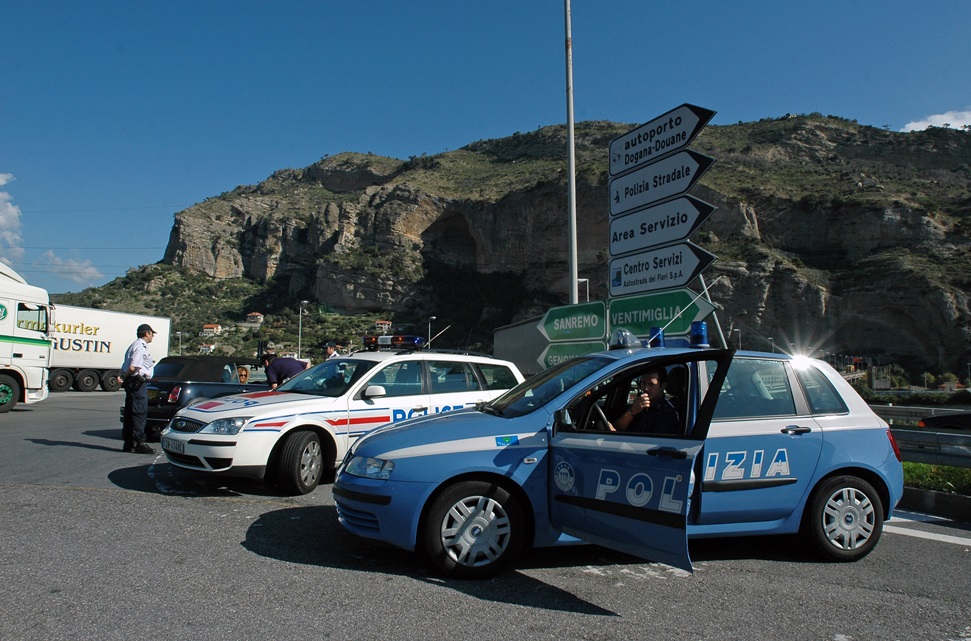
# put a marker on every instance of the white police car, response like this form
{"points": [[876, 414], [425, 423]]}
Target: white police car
{"points": [[289, 435], [765, 444]]}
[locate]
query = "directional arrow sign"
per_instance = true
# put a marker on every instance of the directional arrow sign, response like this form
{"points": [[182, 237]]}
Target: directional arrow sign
{"points": [[663, 268], [674, 310], [666, 178], [556, 353], [663, 135], [658, 225], [575, 322]]}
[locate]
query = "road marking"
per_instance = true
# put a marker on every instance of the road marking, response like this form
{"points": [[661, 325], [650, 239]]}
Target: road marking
{"points": [[944, 538]]}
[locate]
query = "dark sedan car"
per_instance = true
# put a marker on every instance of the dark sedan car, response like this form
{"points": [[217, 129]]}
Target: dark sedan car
{"points": [[180, 380], [953, 422]]}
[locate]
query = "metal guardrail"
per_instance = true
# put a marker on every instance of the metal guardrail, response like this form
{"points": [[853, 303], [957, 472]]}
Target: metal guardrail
{"points": [[923, 446]]}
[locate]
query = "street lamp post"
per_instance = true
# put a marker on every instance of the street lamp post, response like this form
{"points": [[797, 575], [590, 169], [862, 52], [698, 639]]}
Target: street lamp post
{"points": [[585, 281], [772, 345], [739, 337], [430, 319], [300, 329], [179, 334]]}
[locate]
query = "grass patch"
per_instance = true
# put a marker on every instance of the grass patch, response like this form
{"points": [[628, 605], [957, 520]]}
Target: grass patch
{"points": [[940, 478]]}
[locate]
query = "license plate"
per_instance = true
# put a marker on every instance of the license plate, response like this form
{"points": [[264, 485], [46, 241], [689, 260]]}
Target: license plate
{"points": [[152, 395], [173, 446]]}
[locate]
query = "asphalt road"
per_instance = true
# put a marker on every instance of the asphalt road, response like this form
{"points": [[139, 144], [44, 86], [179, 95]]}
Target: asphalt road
{"points": [[99, 544]]}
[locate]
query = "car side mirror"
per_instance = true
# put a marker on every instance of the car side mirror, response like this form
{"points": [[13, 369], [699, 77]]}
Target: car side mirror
{"points": [[375, 391], [562, 420]]}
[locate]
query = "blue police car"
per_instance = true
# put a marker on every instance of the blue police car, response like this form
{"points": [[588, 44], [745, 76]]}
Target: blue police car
{"points": [[742, 443]]}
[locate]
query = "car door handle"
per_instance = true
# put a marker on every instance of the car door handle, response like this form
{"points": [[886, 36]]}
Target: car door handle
{"points": [[670, 452], [796, 429]]}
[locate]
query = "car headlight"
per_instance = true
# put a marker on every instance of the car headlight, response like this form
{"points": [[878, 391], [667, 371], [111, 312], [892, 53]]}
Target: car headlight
{"points": [[369, 468], [225, 425]]}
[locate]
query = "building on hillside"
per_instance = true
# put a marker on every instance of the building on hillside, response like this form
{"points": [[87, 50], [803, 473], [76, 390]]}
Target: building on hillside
{"points": [[254, 318], [207, 348], [211, 329]]}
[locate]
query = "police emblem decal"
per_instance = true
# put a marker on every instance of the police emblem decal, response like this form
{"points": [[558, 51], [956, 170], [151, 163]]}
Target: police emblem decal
{"points": [[564, 476]]}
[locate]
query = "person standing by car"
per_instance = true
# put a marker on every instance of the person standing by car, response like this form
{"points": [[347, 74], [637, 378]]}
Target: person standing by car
{"points": [[137, 368], [331, 350], [280, 369]]}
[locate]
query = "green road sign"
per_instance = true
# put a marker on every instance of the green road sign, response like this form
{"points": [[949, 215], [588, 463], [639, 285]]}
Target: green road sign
{"points": [[556, 353], [585, 321], [673, 309]]}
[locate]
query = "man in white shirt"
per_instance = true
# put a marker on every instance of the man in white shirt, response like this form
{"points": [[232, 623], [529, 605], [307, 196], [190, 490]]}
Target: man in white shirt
{"points": [[136, 369]]}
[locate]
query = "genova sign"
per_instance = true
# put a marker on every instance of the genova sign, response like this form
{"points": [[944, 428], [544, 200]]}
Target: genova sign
{"points": [[556, 353]]}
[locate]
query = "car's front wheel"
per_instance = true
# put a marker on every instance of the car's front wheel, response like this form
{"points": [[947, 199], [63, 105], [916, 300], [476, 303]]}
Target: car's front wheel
{"points": [[474, 529], [301, 463], [845, 518]]}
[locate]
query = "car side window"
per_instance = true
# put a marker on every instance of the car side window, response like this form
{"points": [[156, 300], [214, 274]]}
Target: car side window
{"points": [[755, 388], [822, 397], [400, 379], [451, 376], [497, 376]]}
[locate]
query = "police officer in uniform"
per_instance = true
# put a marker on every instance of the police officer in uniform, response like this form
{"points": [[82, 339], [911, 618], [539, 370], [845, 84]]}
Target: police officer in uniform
{"points": [[136, 369]]}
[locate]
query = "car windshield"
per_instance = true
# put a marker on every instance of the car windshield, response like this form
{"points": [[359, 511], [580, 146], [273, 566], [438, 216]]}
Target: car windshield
{"points": [[331, 378], [545, 386]]}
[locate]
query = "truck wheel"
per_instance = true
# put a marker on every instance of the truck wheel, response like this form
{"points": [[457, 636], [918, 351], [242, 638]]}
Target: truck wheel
{"points": [[301, 463], [87, 380], [9, 393], [109, 381], [60, 381]]}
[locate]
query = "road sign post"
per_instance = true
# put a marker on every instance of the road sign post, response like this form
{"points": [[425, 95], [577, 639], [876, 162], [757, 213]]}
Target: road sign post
{"points": [[666, 267], [652, 140], [666, 178], [658, 225], [575, 322], [672, 310]]}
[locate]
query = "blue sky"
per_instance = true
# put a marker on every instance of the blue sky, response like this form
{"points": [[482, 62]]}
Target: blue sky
{"points": [[115, 114]]}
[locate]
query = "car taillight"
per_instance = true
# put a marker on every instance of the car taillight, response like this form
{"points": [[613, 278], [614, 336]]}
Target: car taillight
{"points": [[921, 423], [893, 444], [174, 394]]}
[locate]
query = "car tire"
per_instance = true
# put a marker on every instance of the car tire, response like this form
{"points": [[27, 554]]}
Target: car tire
{"points": [[9, 393], [60, 380], [87, 380], [845, 518], [301, 463], [110, 382], [474, 529]]}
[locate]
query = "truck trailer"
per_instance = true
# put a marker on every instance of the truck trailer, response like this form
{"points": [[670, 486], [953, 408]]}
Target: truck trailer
{"points": [[25, 346], [89, 346]]}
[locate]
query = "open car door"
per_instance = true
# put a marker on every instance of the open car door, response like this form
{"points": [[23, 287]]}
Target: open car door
{"points": [[626, 491]]}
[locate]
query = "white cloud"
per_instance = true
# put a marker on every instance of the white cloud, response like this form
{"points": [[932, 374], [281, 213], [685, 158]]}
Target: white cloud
{"points": [[11, 241], [953, 119], [81, 272]]}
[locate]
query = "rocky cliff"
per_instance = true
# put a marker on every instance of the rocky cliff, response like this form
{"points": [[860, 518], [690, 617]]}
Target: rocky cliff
{"points": [[829, 235]]}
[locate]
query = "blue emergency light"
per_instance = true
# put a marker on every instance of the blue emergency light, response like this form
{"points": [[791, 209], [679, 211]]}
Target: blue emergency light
{"points": [[699, 334]]}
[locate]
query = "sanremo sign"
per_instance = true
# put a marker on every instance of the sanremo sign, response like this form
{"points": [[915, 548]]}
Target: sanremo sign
{"points": [[583, 322]]}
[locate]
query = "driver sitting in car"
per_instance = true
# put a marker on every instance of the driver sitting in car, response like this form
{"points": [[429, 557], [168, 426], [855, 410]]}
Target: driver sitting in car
{"points": [[650, 413]]}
